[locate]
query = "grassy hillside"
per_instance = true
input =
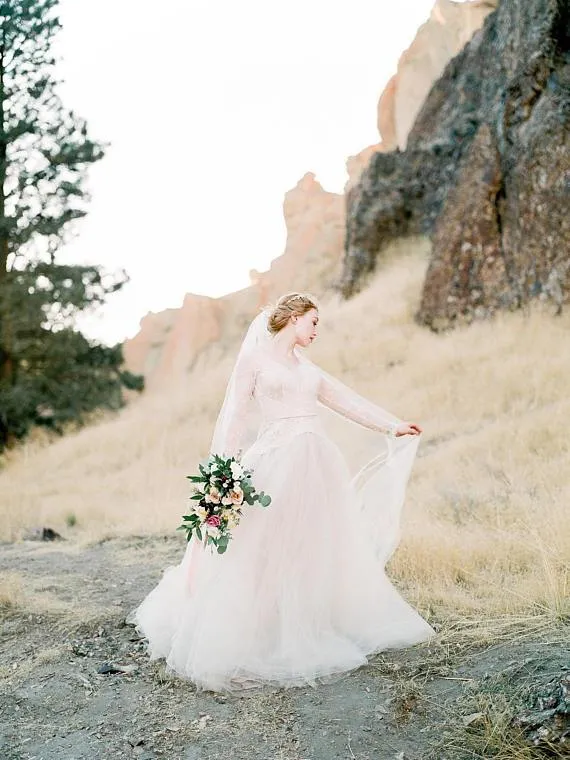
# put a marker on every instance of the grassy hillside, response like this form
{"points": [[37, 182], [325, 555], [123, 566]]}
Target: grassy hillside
{"points": [[487, 524]]}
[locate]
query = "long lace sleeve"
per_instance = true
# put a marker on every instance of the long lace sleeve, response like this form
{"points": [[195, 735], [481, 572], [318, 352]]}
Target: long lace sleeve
{"points": [[346, 402], [232, 423]]}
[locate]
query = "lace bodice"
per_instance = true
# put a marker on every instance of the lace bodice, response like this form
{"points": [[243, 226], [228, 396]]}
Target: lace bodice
{"points": [[281, 391], [285, 391]]}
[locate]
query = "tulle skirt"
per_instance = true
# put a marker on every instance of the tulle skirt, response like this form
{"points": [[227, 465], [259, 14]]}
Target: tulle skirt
{"points": [[301, 593]]}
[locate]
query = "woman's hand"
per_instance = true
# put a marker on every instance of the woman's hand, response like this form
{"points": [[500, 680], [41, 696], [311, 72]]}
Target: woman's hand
{"points": [[408, 428]]}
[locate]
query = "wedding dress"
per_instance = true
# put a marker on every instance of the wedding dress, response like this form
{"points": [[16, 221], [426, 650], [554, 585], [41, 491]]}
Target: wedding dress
{"points": [[301, 593]]}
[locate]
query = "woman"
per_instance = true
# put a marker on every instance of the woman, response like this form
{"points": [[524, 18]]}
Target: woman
{"points": [[301, 593]]}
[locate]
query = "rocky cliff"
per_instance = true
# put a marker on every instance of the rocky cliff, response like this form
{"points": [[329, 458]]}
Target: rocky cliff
{"points": [[485, 172], [449, 27], [171, 342]]}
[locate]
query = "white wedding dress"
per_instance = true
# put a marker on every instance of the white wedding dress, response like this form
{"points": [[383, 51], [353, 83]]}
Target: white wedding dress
{"points": [[301, 593]]}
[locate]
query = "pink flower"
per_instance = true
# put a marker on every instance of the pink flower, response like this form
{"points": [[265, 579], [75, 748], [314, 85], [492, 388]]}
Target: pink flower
{"points": [[214, 521]]}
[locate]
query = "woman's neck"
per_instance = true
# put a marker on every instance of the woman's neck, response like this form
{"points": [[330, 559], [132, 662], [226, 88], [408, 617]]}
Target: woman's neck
{"points": [[284, 345]]}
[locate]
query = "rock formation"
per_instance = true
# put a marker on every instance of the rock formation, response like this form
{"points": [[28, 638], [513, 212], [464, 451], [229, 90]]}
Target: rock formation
{"points": [[547, 723], [315, 232], [486, 172], [169, 343], [449, 27]]}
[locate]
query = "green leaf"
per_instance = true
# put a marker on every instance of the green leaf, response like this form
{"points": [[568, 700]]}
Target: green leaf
{"points": [[199, 534], [188, 531]]}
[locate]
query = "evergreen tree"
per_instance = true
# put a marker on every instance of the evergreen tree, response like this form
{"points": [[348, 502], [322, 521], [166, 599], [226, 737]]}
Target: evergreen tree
{"points": [[49, 372]]}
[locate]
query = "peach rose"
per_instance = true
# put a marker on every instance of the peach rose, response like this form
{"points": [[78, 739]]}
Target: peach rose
{"points": [[213, 496], [236, 495]]}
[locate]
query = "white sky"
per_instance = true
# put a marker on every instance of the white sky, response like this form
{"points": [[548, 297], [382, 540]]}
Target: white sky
{"points": [[214, 109]]}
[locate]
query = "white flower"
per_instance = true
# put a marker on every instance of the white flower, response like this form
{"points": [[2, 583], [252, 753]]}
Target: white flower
{"points": [[227, 501], [212, 531], [202, 513], [237, 470]]}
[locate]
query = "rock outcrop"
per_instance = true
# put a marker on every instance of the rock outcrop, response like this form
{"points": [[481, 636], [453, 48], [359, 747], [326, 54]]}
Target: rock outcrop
{"points": [[449, 27], [547, 723], [486, 172], [315, 224], [171, 342], [168, 342]]}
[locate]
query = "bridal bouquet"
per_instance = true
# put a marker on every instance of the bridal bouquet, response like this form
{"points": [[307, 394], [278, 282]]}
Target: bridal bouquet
{"points": [[220, 492]]}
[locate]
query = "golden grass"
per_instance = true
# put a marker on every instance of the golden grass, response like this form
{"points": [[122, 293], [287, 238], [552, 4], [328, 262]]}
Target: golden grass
{"points": [[11, 590], [487, 525]]}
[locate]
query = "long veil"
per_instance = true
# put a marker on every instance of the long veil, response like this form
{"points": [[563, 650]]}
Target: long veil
{"points": [[382, 470], [381, 465], [256, 337]]}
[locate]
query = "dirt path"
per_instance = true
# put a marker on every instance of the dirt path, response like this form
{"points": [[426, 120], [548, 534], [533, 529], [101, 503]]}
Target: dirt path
{"points": [[68, 620]]}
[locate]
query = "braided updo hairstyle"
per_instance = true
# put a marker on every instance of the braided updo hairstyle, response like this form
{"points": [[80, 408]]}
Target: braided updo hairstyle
{"points": [[290, 305]]}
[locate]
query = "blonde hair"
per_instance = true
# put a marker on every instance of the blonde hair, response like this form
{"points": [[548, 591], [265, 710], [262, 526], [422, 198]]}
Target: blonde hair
{"points": [[290, 305]]}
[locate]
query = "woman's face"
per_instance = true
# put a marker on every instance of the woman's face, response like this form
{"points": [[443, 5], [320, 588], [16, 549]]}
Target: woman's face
{"points": [[306, 327]]}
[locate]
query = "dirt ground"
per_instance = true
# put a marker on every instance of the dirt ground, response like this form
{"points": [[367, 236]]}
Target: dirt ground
{"points": [[68, 619]]}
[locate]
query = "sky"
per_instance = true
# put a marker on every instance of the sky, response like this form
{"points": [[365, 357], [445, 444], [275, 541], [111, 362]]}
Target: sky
{"points": [[213, 109]]}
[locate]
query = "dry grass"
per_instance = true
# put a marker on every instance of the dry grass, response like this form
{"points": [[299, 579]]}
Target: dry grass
{"points": [[487, 529], [491, 735], [36, 596], [479, 724], [11, 590]]}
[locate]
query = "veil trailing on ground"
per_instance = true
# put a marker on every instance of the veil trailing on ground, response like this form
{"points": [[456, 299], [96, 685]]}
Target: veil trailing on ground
{"points": [[381, 470]]}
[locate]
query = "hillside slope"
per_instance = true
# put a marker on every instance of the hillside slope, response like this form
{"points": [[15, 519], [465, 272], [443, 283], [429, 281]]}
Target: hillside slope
{"points": [[487, 528]]}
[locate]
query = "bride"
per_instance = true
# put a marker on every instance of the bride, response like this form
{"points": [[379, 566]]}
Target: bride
{"points": [[301, 593]]}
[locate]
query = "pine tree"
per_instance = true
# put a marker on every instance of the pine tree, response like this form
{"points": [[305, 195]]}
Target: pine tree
{"points": [[49, 372]]}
